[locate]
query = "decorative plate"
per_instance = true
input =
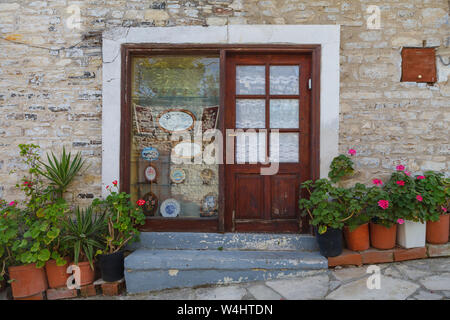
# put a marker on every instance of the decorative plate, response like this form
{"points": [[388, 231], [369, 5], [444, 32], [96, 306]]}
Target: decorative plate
{"points": [[170, 208], [207, 175], [209, 205], [151, 203], [150, 173], [177, 175], [187, 150], [150, 154], [176, 120]]}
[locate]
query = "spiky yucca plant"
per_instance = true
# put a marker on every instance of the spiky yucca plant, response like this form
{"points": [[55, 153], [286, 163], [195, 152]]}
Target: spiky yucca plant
{"points": [[84, 234], [61, 171]]}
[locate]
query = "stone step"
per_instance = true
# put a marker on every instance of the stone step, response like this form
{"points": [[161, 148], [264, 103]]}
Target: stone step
{"points": [[150, 270], [226, 241]]}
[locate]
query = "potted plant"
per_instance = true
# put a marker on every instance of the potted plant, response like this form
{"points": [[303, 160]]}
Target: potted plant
{"points": [[356, 229], [327, 214], [122, 218], [18, 262], [84, 237], [407, 204], [354, 202], [38, 219], [435, 191], [60, 172]]}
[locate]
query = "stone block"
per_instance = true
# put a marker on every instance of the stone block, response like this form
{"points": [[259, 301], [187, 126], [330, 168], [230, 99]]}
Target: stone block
{"points": [[347, 257], [62, 293], [113, 288], [410, 254], [372, 256], [438, 250]]}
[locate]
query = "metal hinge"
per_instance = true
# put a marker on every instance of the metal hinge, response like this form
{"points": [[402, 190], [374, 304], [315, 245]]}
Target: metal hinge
{"points": [[309, 84]]}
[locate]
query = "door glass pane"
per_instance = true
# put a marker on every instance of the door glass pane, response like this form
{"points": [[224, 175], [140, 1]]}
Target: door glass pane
{"points": [[250, 80], [284, 79], [170, 96], [250, 113], [250, 147], [284, 113], [284, 147]]}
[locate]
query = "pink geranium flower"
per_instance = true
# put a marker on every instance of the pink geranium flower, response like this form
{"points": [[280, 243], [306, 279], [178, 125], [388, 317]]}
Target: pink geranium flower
{"points": [[114, 182], [401, 183], [420, 177], [419, 198], [12, 203], [400, 167], [444, 208], [140, 202], [377, 182], [383, 204], [408, 173], [352, 152], [400, 221]]}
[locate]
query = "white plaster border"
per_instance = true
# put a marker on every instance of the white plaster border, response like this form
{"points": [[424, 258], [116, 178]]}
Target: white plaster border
{"points": [[328, 36]]}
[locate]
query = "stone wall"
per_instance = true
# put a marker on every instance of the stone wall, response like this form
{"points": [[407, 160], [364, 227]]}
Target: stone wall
{"points": [[50, 75]]}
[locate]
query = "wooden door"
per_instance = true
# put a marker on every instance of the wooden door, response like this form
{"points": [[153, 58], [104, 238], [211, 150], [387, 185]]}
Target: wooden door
{"points": [[266, 95]]}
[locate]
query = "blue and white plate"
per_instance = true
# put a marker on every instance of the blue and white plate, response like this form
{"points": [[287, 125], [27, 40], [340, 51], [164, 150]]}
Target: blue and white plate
{"points": [[150, 154], [170, 208]]}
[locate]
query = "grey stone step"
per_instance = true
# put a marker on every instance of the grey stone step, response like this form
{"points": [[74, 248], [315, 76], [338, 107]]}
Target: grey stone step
{"points": [[226, 241], [150, 270]]}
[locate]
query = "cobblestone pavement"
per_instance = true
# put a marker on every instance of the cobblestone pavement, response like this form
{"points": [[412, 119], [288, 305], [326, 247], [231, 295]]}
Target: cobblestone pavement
{"points": [[416, 279]]}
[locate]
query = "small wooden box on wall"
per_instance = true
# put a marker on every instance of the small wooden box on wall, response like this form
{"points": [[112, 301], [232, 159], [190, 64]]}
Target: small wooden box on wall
{"points": [[418, 65]]}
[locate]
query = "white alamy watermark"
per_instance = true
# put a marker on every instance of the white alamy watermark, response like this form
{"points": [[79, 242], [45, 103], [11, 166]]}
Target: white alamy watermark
{"points": [[241, 146], [373, 21], [374, 281]]}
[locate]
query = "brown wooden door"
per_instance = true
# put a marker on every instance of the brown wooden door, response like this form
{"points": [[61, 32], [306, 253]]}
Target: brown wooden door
{"points": [[266, 94]]}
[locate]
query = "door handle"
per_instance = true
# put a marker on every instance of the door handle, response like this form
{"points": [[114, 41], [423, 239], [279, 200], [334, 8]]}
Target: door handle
{"points": [[232, 134]]}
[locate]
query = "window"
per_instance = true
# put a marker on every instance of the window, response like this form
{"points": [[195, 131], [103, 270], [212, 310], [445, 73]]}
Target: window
{"points": [[172, 98]]}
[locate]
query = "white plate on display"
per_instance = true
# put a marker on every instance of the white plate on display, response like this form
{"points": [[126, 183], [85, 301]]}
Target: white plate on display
{"points": [[170, 208], [150, 173], [187, 150], [175, 120]]}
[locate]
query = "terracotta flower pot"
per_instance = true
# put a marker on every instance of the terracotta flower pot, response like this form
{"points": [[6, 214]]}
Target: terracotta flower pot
{"points": [[438, 231], [56, 275], [358, 239], [87, 275], [28, 280], [382, 237]]}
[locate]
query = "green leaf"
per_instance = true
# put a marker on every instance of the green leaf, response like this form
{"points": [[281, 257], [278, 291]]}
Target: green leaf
{"points": [[44, 255]]}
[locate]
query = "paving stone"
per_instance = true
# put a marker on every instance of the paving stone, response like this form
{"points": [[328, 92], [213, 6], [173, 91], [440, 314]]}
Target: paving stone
{"points": [[334, 284], [314, 287], [391, 289], [350, 273], [411, 272], [392, 272], [221, 293], [437, 282], [262, 292], [173, 294], [425, 295]]}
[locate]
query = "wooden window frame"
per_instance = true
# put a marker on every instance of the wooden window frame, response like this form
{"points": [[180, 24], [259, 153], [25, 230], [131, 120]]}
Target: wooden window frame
{"points": [[128, 51]]}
